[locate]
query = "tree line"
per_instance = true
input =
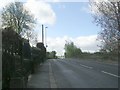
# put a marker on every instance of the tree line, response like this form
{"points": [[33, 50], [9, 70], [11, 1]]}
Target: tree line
{"points": [[51, 55], [72, 51]]}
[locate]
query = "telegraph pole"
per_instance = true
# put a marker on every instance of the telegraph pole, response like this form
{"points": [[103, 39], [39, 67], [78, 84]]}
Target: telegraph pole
{"points": [[42, 33], [46, 36]]}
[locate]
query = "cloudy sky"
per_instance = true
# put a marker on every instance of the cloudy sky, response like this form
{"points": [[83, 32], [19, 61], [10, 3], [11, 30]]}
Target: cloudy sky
{"points": [[66, 21]]}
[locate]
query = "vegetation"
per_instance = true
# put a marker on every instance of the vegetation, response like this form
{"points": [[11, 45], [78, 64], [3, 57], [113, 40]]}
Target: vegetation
{"points": [[107, 15], [71, 50], [51, 55], [14, 15], [19, 59]]}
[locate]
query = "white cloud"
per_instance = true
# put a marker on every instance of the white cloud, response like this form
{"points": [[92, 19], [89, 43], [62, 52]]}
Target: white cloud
{"points": [[73, 0], [3, 3], [50, 1], [91, 8], [42, 11], [86, 43], [86, 9]]}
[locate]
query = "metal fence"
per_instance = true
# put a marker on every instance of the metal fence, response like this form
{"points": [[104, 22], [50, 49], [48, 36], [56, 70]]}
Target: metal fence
{"points": [[19, 59]]}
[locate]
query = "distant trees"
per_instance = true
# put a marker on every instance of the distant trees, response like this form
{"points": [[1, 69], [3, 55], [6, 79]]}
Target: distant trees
{"points": [[51, 55], [107, 15], [16, 16], [71, 50]]}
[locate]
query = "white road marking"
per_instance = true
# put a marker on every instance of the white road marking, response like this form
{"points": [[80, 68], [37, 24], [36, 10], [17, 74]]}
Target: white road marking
{"points": [[111, 74], [86, 66]]}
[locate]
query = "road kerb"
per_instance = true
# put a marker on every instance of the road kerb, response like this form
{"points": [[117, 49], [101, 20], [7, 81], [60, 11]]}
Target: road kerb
{"points": [[52, 79]]}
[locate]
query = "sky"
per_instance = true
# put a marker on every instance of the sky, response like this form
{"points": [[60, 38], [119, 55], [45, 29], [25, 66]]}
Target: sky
{"points": [[66, 21]]}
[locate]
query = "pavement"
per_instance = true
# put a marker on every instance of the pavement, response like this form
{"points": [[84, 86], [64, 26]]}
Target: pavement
{"points": [[0, 64], [40, 79], [73, 73]]}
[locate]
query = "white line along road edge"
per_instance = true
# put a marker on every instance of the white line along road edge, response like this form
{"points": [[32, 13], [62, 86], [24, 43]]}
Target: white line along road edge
{"points": [[111, 74]]}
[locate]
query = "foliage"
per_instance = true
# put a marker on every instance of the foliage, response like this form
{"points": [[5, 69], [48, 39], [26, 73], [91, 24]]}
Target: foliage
{"points": [[51, 55], [107, 15], [99, 56], [71, 50], [16, 16], [19, 59]]}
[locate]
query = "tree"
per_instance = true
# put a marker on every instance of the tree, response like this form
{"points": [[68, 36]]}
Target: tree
{"points": [[31, 36], [71, 50], [52, 55], [16, 16], [107, 15]]}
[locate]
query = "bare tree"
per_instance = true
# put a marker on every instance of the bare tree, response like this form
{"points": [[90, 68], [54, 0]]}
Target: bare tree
{"points": [[107, 15], [16, 16]]}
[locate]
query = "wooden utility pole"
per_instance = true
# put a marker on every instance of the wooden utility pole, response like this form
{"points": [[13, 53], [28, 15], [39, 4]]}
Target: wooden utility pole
{"points": [[42, 33]]}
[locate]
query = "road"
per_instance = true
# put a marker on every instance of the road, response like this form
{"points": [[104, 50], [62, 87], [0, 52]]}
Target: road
{"points": [[73, 73]]}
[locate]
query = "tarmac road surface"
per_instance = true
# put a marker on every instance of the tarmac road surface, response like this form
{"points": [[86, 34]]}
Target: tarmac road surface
{"points": [[73, 73]]}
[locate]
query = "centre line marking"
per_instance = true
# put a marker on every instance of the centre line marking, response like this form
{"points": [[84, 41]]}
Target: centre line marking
{"points": [[111, 74], [86, 66]]}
